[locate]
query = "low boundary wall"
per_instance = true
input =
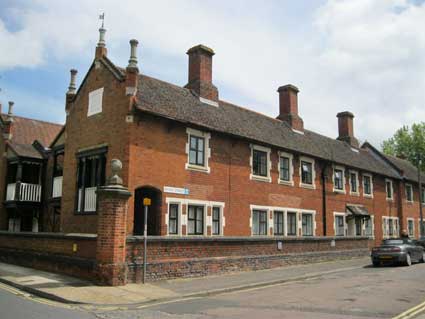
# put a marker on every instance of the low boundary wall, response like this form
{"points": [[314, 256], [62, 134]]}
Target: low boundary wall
{"points": [[70, 254], [174, 257]]}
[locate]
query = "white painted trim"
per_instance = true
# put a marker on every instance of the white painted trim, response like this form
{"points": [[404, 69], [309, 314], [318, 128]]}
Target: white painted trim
{"points": [[413, 193], [207, 151], [267, 178], [313, 172], [208, 101], [187, 202], [313, 218], [392, 190], [351, 171], [291, 168], [386, 228], [285, 210], [297, 131], [340, 168], [371, 185], [413, 221], [179, 218], [345, 223]]}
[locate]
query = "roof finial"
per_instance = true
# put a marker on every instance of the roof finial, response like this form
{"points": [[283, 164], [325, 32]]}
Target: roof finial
{"points": [[102, 17], [102, 31]]}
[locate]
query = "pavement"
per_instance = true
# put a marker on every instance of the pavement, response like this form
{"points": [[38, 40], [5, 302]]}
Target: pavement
{"points": [[71, 290]]}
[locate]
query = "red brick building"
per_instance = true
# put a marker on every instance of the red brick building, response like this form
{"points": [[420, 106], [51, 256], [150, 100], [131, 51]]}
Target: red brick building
{"points": [[213, 169]]}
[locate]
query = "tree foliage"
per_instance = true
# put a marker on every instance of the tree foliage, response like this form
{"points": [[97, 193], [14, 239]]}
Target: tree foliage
{"points": [[408, 143]]}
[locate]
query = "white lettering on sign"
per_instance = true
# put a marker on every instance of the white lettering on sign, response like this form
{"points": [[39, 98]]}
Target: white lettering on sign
{"points": [[176, 190]]}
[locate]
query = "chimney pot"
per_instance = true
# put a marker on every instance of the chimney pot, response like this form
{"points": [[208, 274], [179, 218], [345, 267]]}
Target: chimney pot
{"points": [[288, 107], [346, 128], [10, 111], [200, 72], [72, 88], [132, 63], [101, 45]]}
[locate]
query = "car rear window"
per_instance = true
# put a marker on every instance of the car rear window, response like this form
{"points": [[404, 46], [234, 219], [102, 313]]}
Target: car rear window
{"points": [[393, 242]]}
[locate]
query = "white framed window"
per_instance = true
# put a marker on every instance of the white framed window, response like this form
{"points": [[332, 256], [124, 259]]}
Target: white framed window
{"points": [[259, 222], [291, 223], [411, 227], [339, 179], [367, 185], [409, 193], [95, 102], [286, 168], [390, 227], [389, 189], [278, 223], [260, 163], [354, 182], [369, 226], [340, 225], [307, 172], [192, 213], [198, 150], [307, 224], [217, 221]]}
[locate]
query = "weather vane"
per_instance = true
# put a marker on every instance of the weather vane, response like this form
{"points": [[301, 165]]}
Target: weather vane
{"points": [[102, 17]]}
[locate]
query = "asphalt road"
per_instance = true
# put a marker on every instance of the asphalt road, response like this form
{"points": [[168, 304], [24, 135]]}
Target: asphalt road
{"points": [[360, 293]]}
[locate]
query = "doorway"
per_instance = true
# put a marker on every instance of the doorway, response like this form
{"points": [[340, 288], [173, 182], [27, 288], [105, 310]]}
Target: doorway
{"points": [[154, 211]]}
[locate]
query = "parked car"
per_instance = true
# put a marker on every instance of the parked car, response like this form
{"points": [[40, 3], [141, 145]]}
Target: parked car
{"points": [[398, 251]]}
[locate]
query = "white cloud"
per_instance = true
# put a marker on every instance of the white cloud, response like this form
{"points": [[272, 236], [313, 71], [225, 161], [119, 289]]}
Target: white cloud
{"points": [[365, 56]]}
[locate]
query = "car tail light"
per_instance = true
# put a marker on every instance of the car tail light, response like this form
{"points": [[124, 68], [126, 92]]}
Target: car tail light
{"points": [[395, 249]]}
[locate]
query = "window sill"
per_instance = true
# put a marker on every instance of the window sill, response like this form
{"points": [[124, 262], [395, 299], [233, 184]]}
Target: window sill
{"points": [[410, 202], [339, 191], [354, 194], [85, 213], [308, 186], [197, 168], [389, 199], [260, 178], [287, 183], [368, 196]]}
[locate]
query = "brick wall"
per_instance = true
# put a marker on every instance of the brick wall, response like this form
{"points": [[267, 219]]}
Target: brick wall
{"points": [[3, 171], [105, 128], [69, 254], [189, 257]]}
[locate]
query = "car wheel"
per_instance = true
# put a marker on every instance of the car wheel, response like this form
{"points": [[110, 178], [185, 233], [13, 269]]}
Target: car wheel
{"points": [[408, 260], [376, 263]]}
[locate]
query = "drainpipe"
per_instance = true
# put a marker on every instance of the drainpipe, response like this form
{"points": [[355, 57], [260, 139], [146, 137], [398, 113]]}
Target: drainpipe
{"points": [[421, 227], [324, 219]]}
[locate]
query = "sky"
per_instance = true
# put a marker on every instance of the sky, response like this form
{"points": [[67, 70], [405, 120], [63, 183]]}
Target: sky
{"points": [[363, 56]]}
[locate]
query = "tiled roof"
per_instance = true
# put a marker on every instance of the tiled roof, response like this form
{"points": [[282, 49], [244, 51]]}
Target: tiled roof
{"points": [[25, 131], [180, 104], [409, 170]]}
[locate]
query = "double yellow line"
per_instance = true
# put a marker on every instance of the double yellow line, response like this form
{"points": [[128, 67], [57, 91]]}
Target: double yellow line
{"points": [[412, 312]]}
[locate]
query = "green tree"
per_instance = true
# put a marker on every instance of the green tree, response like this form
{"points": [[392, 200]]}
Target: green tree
{"points": [[408, 143]]}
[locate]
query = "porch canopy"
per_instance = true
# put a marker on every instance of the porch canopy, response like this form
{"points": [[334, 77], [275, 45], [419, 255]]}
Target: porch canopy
{"points": [[357, 211]]}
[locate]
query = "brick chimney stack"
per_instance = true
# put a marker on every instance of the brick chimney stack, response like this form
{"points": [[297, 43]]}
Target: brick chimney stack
{"points": [[346, 128], [200, 72], [101, 45], [132, 70], [288, 107], [7, 131]]}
